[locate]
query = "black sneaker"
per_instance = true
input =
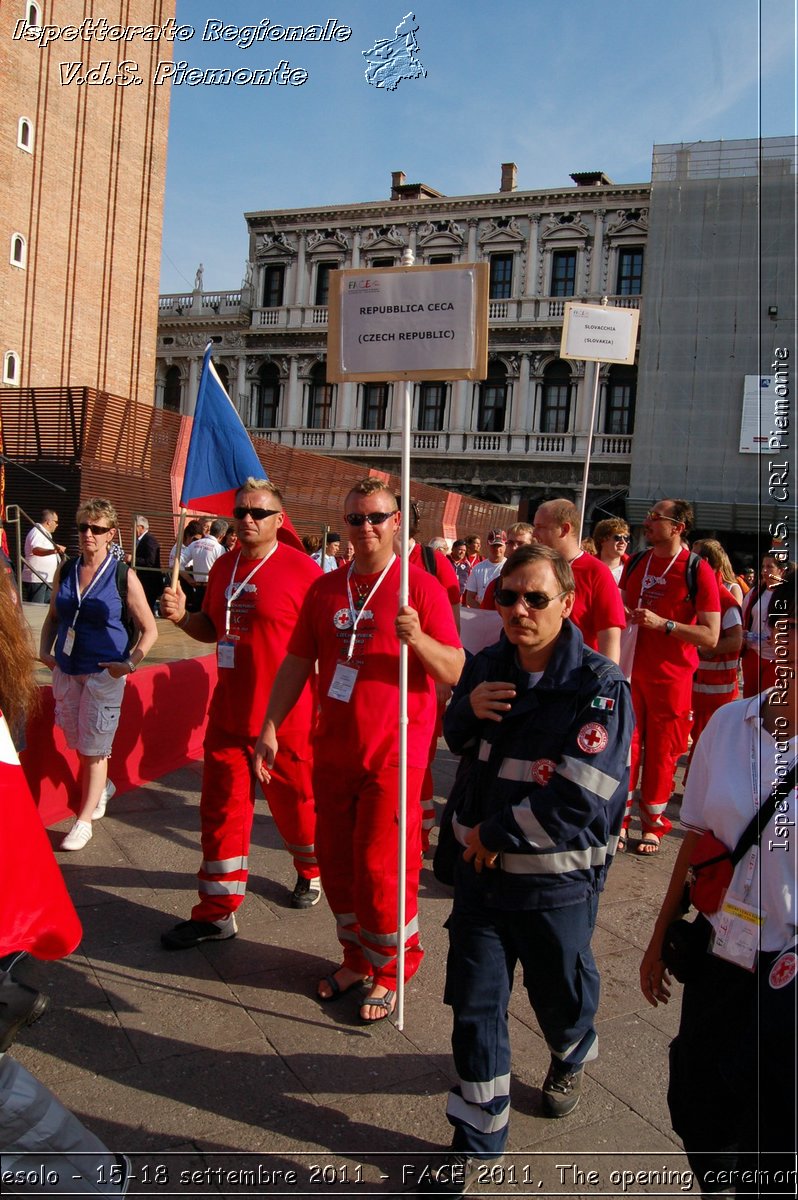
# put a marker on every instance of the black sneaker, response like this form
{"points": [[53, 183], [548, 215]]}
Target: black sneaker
{"points": [[20, 1005], [562, 1090], [306, 893], [191, 933]]}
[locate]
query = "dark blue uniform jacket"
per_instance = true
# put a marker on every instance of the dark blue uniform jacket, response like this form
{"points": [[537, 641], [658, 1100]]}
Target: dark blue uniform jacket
{"points": [[547, 784]]}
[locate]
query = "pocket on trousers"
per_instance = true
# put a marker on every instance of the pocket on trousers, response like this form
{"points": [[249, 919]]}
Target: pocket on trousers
{"points": [[108, 718]]}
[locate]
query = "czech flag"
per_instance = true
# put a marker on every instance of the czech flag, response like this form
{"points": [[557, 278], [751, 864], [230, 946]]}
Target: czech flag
{"points": [[36, 913], [221, 456]]}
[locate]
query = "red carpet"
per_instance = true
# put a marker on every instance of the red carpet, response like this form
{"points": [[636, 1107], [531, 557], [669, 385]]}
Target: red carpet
{"points": [[161, 728]]}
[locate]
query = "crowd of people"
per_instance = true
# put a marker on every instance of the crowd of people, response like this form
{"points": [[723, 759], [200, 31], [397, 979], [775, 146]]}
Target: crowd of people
{"points": [[608, 667]]}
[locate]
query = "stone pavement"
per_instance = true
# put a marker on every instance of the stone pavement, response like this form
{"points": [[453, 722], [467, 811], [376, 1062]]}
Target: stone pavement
{"points": [[191, 1060]]}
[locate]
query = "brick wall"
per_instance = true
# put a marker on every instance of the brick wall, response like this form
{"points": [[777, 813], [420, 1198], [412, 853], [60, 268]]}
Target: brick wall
{"points": [[88, 200]]}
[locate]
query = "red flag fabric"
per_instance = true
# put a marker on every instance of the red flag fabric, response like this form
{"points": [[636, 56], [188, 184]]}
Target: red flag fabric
{"points": [[36, 913]]}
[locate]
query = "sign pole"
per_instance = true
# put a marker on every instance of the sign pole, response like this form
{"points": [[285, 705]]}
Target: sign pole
{"points": [[586, 471], [597, 333]]}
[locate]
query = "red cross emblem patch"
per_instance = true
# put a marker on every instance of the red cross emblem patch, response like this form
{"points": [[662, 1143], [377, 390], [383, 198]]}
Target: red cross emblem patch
{"points": [[542, 770], [592, 738], [342, 619], [783, 971]]}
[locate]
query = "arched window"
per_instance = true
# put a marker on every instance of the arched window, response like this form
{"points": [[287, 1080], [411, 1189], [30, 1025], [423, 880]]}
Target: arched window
{"points": [[172, 390], [619, 414], [224, 375], [25, 134], [320, 399], [11, 368], [555, 408], [267, 396], [493, 400], [34, 16], [19, 250], [375, 405]]}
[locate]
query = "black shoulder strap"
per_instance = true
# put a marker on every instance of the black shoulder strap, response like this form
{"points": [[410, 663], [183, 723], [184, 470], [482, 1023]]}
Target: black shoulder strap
{"points": [[691, 575], [633, 560], [753, 831], [428, 558]]}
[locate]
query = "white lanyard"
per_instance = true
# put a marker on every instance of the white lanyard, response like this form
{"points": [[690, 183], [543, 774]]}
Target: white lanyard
{"points": [[109, 558], [235, 592], [650, 580], [354, 614]]}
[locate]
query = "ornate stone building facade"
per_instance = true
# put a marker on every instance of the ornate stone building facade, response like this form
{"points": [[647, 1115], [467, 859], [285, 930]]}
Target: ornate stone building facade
{"points": [[514, 438]]}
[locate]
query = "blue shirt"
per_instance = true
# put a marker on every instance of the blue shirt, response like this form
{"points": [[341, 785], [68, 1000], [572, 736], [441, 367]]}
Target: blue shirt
{"points": [[100, 635]]}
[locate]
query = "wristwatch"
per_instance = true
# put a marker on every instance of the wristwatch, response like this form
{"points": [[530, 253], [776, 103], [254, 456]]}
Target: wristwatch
{"points": [[132, 665], [669, 627]]}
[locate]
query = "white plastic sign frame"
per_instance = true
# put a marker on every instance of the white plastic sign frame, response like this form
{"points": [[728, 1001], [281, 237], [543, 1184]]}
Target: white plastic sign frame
{"points": [[599, 333], [410, 323]]}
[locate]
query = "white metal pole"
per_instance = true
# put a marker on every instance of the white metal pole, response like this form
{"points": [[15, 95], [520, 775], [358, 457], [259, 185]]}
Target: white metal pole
{"points": [[404, 596], [593, 406], [583, 501]]}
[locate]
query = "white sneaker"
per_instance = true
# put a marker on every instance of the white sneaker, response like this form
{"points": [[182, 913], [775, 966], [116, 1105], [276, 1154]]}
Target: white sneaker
{"points": [[105, 795], [78, 836]]}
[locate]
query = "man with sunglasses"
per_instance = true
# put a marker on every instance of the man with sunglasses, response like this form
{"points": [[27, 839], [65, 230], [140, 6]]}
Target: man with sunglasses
{"points": [[544, 725], [250, 607], [351, 624], [672, 625], [597, 609]]}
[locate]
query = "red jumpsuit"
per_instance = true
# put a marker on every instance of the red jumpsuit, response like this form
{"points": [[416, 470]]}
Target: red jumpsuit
{"points": [[662, 677], [356, 760], [262, 618]]}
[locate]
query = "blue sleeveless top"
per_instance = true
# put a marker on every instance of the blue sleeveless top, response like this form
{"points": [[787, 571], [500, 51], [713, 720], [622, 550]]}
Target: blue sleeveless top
{"points": [[100, 635]]}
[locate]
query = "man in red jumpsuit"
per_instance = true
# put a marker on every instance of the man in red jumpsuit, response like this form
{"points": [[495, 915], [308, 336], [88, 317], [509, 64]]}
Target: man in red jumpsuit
{"points": [[251, 604], [598, 609], [349, 623], [671, 628]]}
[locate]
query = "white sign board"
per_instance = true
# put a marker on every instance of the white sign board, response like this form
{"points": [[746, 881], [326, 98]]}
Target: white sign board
{"points": [[408, 323], [598, 333], [757, 423]]}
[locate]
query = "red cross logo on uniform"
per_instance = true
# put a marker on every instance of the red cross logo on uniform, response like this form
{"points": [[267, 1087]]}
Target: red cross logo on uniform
{"points": [[542, 770], [592, 738]]}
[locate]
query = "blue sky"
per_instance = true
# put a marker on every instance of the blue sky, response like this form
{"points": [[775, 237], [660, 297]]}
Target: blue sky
{"points": [[553, 85]]}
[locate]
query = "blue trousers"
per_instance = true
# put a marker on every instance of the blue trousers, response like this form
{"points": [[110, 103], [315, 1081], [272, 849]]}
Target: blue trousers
{"points": [[562, 983]]}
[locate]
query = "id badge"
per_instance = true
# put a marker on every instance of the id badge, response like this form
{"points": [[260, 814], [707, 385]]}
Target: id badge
{"points": [[226, 655], [737, 936], [343, 683], [69, 641]]}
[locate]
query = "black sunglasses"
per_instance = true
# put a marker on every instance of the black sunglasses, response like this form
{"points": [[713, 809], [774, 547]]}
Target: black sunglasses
{"points": [[375, 518], [621, 537], [84, 527], [257, 514], [506, 598]]}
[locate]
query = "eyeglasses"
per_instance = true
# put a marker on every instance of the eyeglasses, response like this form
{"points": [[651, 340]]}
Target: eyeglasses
{"points": [[506, 598], [375, 518], [655, 516], [257, 514], [85, 527], [621, 537]]}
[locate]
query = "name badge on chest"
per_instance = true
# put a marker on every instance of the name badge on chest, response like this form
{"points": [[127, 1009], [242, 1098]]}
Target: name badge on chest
{"points": [[343, 683], [69, 641], [226, 655], [737, 936]]}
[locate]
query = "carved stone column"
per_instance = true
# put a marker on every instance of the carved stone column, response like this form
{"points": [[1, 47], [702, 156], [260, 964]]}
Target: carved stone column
{"points": [[472, 239], [522, 408], [532, 256], [596, 283], [292, 418], [193, 380], [356, 232], [299, 268]]}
